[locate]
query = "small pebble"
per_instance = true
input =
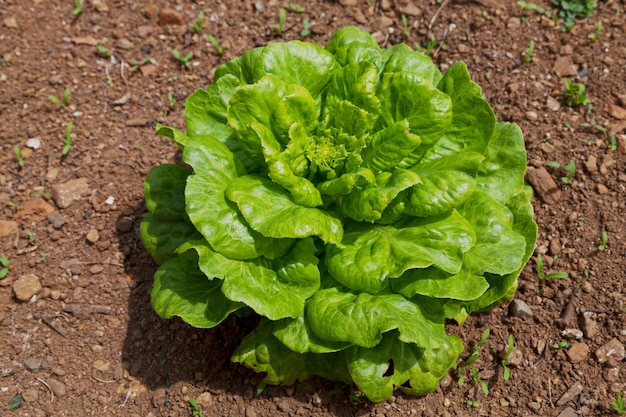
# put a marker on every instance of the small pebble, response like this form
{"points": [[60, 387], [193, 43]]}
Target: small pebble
{"points": [[614, 349], [26, 286], [57, 387], [578, 352], [92, 236], [519, 308]]}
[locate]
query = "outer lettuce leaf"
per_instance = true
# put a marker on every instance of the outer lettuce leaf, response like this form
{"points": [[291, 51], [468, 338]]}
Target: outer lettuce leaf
{"points": [[416, 371], [401, 58], [297, 335], [353, 45], [161, 237], [274, 289], [164, 191], [215, 167], [339, 315], [406, 95], [180, 289], [501, 174], [371, 253], [270, 211]]}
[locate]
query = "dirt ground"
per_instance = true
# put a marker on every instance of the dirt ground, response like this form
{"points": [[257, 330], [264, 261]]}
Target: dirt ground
{"points": [[78, 336]]}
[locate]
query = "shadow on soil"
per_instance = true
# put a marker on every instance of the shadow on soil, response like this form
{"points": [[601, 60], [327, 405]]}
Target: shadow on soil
{"points": [[162, 352]]}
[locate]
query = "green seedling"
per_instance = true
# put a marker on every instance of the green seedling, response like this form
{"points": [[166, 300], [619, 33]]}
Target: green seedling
{"points": [[575, 94], [605, 241], [595, 35], [534, 7], [572, 9], [563, 344], [18, 155], [219, 48], [103, 51], [619, 406], [552, 275], [67, 140], [505, 359], [183, 59], [278, 27], [307, 28], [44, 256], [171, 100], [79, 8], [4, 266], [570, 167], [529, 52], [136, 64], [405, 26], [61, 102], [195, 410], [472, 358], [432, 42], [197, 25], [296, 8], [476, 378], [473, 403], [29, 235]]}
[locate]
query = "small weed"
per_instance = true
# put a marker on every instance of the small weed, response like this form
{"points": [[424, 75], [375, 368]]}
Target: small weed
{"points": [[61, 102], [473, 403], [472, 358], [44, 256], [575, 94], [219, 48], [619, 406], [432, 43], [405, 26], [278, 27], [4, 264], [570, 167], [605, 241], [296, 8], [103, 51], [505, 359], [79, 8], [563, 344], [571, 9], [172, 101], [595, 35], [476, 378], [18, 155], [7, 61], [29, 235], [529, 52], [552, 275], [534, 7], [67, 140], [307, 28], [195, 410], [486, 15], [197, 25], [136, 64], [183, 59]]}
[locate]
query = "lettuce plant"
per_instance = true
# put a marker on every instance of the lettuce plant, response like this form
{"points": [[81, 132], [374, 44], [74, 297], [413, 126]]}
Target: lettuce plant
{"points": [[354, 198]]}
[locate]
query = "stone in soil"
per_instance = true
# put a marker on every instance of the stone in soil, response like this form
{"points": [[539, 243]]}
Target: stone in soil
{"points": [[519, 308], [564, 67], [170, 17], [578, 352], [26, 286], [57, 387], [587, 324], [613, 350], [56, 219], [33, 364], [569, 395], [67, 193], [35, 209], [7, 228], [543, 184], [568, 412]]}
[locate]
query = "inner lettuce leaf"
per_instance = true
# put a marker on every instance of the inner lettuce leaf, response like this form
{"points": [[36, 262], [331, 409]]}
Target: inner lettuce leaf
{"points": [[354, 198]]}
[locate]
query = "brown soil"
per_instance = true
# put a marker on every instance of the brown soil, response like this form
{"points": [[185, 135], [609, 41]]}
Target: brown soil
{"points": [[88, 342]]}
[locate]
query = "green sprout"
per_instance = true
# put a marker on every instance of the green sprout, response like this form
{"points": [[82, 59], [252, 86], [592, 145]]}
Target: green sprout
{"points": [[296, 8], [552, 275], [136, 64], [571, 9], [4, 263], [172, 101], [505, 359], [197, 25], [61, 102], [473, 403], [219, 48], [534, 7], [575, 94], [18, 155], [472, 358], [103, 51], [570, 167], [195, 410], [278, 27], [529, 52], [79, 8], [405, 26], [563, 344], [605, 241], [618, 405], [595, 35], [67, 140], [307, 28], [183, 59], [30, 235]]}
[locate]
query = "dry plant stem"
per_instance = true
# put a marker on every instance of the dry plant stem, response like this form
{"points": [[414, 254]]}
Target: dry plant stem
{"points": [[432, 20], [49, 389]]}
